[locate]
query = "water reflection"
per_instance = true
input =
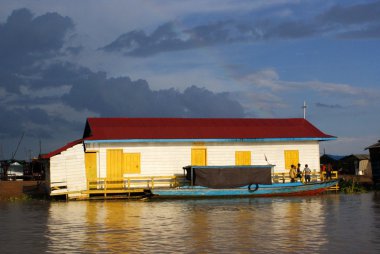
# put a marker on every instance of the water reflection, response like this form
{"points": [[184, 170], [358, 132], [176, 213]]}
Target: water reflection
{"points": [[23, 227], [323, 224]]}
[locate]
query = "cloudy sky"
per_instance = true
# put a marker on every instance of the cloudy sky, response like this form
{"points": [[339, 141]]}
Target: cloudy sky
{"points": [[64, 61]]}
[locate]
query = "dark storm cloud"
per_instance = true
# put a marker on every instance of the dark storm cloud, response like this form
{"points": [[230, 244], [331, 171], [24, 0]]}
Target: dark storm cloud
{"points": [[26, 39], [354, 21], [330, 106], [291, 29], [31, 40], [16, 121], [195, 100], [31, 75], [124, 97], [354, 14], [167, 38]]}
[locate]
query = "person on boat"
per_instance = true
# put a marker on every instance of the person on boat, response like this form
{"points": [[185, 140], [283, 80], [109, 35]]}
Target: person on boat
{"points": [[328, 171], [292, 173], [307, 173], [299, 173], [323, 172]]}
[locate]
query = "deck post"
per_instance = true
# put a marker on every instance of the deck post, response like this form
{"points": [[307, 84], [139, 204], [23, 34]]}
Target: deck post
{"points": [[192, 175]]}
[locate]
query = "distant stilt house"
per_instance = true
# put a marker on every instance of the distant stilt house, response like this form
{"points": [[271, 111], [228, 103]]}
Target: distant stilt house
{"points": [[374, 153], [123, 148], [356, 164]]}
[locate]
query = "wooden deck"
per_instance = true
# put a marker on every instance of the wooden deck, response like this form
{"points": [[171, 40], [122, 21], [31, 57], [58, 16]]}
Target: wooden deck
{"points": [[316, 176], [110, 188], [137, 187]]}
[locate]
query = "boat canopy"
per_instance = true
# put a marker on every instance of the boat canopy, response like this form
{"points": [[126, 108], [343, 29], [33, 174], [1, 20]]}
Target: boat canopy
{"points": [[219, 177]]}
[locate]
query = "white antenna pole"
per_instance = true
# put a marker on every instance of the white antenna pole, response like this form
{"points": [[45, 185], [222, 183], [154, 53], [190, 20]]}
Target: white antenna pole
{"points": [[304, 109]]}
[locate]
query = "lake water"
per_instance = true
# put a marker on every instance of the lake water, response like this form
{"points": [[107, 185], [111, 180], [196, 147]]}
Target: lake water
{"points": [[331, 223]]}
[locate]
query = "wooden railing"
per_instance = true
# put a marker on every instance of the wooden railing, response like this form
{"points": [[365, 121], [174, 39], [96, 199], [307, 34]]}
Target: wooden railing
{"points": [[130, 183], [334, 176], [150, 182], [283, 177]]}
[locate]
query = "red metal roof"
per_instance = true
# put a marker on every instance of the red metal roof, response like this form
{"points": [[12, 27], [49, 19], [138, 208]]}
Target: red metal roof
{"points": [[59, 150], [194, 128], [199, 128]]}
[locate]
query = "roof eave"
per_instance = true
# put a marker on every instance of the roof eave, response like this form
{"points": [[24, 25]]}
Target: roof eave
{"points": [[226, 140]]}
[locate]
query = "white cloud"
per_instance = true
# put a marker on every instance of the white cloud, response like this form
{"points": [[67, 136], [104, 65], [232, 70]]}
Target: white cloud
{"points": [[261, 104], [266, 78], [270, 80], [332, 88]]}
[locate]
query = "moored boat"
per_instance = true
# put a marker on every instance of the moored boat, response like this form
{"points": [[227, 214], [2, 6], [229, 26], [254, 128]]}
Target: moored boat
{"points": [[238, 181]]}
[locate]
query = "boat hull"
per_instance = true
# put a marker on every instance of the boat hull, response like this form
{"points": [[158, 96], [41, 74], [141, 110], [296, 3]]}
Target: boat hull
{"points": [[280, 189]]}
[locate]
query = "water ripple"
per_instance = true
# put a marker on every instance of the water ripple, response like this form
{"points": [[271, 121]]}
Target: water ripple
{"points": [[322, 224]]}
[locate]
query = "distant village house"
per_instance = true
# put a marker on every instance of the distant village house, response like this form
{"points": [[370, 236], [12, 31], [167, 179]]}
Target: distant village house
{"points": [[374, 152]]}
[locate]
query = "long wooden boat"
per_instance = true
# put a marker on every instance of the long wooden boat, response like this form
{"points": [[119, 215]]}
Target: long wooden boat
{"points": [[238, 181], [260, 190]]}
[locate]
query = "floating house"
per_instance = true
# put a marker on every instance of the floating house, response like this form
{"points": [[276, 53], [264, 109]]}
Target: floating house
{"points": [[146, 148]]}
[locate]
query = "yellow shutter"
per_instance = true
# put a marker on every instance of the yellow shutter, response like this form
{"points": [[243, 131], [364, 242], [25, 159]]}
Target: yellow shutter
{"points": [[131, 163], [114, 163], [198, 157], [91, 165], [291, 158], [242, 158]]}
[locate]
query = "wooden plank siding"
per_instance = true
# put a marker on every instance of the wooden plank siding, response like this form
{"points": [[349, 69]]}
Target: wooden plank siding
{"points": [[167, 159], [67, 170]]}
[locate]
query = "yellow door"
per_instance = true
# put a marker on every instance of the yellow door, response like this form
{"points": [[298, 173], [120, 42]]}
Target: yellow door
{"points": [[131, 163], [198, 157], [114, 163], [91, 165], [242, 158], [291, 158]]}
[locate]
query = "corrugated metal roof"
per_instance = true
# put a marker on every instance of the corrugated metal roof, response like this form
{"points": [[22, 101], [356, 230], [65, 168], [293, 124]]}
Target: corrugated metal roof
{"points": [[361, 156], [194, 128], [200, 128], [377, 145], [59, 150], [357, 156]]}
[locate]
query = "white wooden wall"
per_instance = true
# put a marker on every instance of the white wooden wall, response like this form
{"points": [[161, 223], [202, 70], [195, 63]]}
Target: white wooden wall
{"points": [[168, 159], [68, 167], [164, 159]]}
